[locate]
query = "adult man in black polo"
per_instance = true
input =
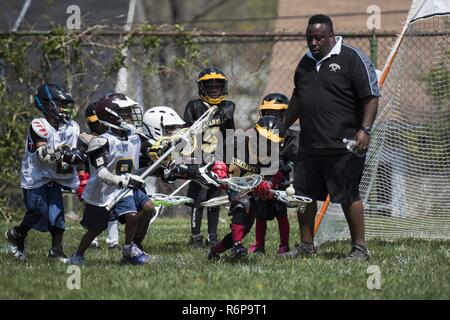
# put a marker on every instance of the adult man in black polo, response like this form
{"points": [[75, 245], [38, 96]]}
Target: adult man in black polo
{"points": [[335, 96]]}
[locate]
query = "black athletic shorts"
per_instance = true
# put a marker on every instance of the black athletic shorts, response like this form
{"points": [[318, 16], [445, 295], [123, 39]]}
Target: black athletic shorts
{"points": [[269, 209], [338, 175]]}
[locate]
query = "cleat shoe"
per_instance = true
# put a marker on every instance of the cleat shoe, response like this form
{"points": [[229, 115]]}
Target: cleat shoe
{"points": [[16, 244], [256, 249], [358, 253], [301, 250], [282, 249], [57, 254], [76, 259], [134, 255], [95, 244], [238, 250], [196, 241], [212, 240], [212, 255]]}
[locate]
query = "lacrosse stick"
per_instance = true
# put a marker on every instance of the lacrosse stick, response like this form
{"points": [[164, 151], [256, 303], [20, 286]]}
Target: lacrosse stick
{"points": [[161, 207], [215, 202], [243, 184], [292, 201], [199, 126], [164, 200]]}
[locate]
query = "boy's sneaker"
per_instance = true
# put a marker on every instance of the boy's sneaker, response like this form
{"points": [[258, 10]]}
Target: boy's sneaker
{"points": [[301, 250], [95, 244], [256, 249], [282, 250], [238, 250], [16, 244], [212, 240], [196, 241], [76, 259], [57, 254], [212, 255], [358, 253], [134, 255]]}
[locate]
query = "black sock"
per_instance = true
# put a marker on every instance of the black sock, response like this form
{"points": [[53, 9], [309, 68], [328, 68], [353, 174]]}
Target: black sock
{"points": [[22, 230], [213, 220], [57, 236]]}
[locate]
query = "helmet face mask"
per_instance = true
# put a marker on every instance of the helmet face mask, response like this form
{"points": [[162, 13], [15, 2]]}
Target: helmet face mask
{"points": [[266, 143], [212, 85]]}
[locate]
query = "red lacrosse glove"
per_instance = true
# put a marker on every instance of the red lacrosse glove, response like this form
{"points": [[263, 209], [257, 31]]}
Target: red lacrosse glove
{"points": [[220, 169], [277, 179], [263, 190], [84, 178]]}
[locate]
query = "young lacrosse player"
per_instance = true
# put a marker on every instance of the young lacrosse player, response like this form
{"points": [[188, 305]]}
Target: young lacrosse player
{"points": [[114, 159], [275, 104], [212, 90], [261, 152], [95, 129], [51, 155]]}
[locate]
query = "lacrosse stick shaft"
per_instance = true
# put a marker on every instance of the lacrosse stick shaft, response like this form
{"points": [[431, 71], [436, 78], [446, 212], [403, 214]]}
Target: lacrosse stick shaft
{"points": [[321, 214], [123, 192], [160, 209]]}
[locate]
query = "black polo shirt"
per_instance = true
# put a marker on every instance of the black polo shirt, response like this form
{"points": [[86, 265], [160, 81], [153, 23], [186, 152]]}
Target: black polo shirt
{"points": [[330, 99]]}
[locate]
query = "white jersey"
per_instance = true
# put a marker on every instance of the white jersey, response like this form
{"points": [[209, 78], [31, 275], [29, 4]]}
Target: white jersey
{"points": [[35, 173], [122, 157]]}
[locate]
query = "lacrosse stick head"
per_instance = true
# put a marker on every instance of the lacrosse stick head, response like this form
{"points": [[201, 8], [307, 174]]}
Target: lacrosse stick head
{"points": [[215, 202], [243, 184], [164, 200], [292, 201]]}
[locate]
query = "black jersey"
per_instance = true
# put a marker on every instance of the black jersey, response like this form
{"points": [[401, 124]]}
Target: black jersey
{"points": [[247, 161], [222, 120]]}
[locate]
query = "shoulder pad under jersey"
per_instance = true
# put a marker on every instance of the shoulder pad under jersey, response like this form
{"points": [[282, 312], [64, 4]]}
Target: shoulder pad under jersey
{"points": [[96, 144], [86, 138], [38, 127]]}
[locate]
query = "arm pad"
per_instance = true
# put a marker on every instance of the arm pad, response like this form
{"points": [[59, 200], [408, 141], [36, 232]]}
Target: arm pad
{"points": [[109, 178]]}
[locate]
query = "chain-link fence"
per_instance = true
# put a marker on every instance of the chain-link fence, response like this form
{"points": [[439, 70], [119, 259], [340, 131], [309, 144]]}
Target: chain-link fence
{"points": [[156, 68]]}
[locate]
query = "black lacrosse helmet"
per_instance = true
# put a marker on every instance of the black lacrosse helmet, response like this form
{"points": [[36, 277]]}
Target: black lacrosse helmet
{"points": [[212, 85], [55, 102], [274, 104]]}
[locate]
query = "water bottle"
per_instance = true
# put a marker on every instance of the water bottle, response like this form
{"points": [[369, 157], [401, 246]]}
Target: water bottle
{"points": [[350, 144]]}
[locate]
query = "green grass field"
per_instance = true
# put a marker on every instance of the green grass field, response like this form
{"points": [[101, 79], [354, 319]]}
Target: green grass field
{"points": [[410, 269]]}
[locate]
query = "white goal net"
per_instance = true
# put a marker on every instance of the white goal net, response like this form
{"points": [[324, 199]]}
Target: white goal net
{"points": [[406, 181]]}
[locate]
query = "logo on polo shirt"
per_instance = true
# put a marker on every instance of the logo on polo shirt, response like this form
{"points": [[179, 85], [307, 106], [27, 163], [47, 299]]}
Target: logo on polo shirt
{"points": [[334, 67]]}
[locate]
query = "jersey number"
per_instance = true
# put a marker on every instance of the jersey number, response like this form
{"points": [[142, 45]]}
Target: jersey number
{"points": [[124, 166]]}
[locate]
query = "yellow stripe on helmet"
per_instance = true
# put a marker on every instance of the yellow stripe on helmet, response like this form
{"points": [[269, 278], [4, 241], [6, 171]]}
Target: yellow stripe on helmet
{"points": [[268, 134], [272, 105], [212, 76], [92, 118]]}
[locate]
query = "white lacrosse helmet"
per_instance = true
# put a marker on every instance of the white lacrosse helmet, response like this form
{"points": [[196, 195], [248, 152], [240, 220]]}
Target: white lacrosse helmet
{"points": [[159, 120]]}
